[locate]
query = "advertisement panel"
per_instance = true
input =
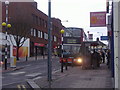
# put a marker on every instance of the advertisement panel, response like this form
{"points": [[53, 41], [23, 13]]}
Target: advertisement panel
{"points": [[23, 51], [97, 19]]}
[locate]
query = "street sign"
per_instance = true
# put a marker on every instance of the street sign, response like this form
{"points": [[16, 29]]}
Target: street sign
{"points": [[104, 37]]}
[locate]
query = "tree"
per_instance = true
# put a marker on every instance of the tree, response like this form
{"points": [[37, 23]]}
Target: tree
{"points": [[21, 22]]}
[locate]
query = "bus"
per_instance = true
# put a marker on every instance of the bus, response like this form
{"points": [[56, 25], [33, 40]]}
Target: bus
{"points": [[72, 41]]}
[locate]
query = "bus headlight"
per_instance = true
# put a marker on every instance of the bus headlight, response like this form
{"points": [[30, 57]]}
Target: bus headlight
{"points": [[79, 60]]}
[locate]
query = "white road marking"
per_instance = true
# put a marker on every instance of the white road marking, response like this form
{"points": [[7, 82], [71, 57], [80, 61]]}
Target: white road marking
{"points": [[33, 74], [56, 71], [19, 87], [23, 86], [16, 73], [37, 78], [28, 65]]}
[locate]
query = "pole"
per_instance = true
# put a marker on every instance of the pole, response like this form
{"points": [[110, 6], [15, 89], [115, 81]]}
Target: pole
{"points": [[49, 44], [62, 55], [6, 37], [112, 44]]}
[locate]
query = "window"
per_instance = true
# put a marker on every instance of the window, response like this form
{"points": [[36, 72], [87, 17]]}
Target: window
{"points": [[37, 20], [55, 39], [40, 21], [41, 34], [33, 17], [45, 24], [45, 36], [32, 31]]}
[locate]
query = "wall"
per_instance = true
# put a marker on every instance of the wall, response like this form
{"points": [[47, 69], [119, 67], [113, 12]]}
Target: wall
{"points": [[116, 11], [119, 46]]}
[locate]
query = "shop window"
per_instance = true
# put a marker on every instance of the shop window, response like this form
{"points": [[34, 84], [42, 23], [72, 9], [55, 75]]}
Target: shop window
{"points": [[32, 31]]}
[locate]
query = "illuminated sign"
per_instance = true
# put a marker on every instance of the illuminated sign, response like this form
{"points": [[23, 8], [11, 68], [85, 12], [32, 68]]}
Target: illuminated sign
{"points": [[71, 40]]}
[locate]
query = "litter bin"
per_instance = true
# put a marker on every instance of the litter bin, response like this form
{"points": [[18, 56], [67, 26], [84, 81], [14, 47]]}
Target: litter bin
{"points": [[13, 62]]}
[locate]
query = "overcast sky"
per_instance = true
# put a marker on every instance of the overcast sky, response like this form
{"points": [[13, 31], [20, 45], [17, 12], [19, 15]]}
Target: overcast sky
{"points": [[77, 12]]}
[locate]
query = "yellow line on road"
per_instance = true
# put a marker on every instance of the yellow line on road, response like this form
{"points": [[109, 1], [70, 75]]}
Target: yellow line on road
{"points": [[23, 86], [19, 87]]}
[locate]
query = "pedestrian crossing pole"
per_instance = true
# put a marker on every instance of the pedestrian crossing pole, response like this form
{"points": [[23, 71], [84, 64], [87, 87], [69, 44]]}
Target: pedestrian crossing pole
{"points": [[6, 26], [62, 32]]}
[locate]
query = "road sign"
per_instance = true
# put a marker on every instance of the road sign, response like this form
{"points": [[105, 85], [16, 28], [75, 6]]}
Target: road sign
{"points": [[104, 37]]}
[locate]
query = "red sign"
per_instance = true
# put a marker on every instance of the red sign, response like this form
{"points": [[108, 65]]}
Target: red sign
{"points": [[39, 44], [97, 19]]}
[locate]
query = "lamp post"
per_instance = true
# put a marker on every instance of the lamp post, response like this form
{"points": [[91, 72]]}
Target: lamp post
{"points": [[62, 32], [49, 44], [6, 26]]}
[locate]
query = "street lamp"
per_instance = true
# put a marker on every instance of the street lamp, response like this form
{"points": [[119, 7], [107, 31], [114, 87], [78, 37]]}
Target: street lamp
{"points": [[62, 32], [6, 26]]}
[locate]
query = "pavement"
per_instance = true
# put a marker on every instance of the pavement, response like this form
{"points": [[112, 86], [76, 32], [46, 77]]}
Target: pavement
{"points": [[77, 78]]}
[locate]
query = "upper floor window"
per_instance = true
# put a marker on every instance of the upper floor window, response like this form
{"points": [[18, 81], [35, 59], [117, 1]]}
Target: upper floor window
{"points": [[55, 38], [45, 36], [41, 34], [32, 31]]}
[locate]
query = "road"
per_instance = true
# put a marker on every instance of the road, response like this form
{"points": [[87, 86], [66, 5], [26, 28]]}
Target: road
{"points": [[30, 70]]}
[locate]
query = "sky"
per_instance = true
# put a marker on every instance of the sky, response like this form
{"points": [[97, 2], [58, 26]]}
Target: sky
{"points": [[77, 12]]}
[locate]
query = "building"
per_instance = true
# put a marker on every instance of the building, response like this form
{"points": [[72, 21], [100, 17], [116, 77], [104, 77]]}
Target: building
{"points": [[27, 13]]}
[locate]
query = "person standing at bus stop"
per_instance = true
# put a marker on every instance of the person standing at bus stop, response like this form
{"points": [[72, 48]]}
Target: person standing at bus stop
{"points": [[103, 56], [95, 59], [108, 58]]}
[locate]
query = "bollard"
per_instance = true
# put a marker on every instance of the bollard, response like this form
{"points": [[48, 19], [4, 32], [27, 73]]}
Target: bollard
{"points": [[66, 63], [62, 65], [13, 62], [72, 62], [26, 57]]}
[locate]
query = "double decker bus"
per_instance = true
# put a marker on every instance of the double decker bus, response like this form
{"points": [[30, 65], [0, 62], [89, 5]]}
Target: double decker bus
{"points": [[72, 41]]}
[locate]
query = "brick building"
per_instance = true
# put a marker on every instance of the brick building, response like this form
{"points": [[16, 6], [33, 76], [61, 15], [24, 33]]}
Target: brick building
{"points": [[38, 34]]}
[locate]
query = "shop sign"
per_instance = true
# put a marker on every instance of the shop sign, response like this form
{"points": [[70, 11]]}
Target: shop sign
{"points": [[39, 44]]}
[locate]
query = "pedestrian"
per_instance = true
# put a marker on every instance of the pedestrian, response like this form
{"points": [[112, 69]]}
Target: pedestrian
{"points": [[103, 57], [94, 59], [108, 58], [98, 59]]}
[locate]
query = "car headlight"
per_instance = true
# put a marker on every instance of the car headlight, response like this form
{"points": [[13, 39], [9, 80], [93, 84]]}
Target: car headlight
{"points": [[1, 62], [79, 60]]}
